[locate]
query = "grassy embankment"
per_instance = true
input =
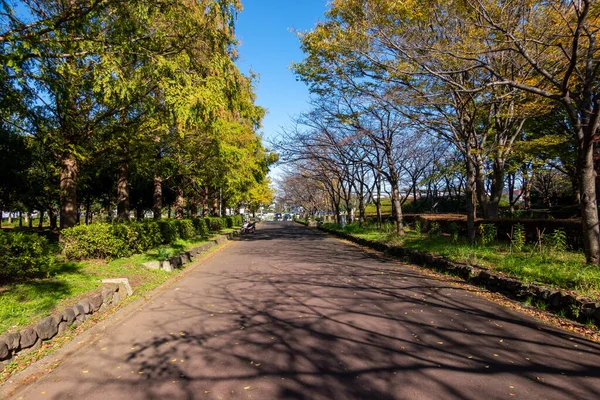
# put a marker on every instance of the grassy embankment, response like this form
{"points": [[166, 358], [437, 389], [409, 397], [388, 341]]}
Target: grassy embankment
{"points": [[26, 302], [559, 269]]}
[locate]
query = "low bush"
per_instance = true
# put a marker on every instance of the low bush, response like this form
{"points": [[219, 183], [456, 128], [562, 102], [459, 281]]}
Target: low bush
{"points": [[229, 222], [215, 224], [169, 230], [200, 226], [185, 228], [23, 255], [94, 241], [148, 233]]}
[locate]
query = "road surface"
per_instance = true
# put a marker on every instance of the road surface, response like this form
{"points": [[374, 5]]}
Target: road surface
{"points": [[290, 313]]}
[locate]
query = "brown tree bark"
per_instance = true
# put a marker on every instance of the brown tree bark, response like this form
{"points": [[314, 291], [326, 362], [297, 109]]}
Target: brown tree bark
{"points": [[470, 198], [589, 205], [179, 200], [69, 168], [157, 197], [123, 194], [205, 198]]}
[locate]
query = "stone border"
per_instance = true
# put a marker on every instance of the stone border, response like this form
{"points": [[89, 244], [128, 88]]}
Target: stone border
{"points": [[186, 257], [576, 308], [30, 338]]}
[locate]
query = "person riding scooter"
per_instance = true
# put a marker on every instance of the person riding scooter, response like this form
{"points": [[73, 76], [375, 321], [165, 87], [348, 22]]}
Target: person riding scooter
{"points": [[248, 227]]}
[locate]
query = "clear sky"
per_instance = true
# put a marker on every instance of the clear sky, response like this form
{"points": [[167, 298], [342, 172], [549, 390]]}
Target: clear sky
{"points": [[268, 46]]}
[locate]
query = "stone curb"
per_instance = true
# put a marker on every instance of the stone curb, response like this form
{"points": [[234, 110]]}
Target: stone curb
{"points": [[576, 308], [31, 337], [186, 257]]}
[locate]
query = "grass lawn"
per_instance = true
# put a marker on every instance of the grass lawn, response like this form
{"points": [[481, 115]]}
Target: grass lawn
{"points": [[24, 303], [564, 270]]}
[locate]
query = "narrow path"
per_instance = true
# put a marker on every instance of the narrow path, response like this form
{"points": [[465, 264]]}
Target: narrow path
{"points": [[290, 313]]}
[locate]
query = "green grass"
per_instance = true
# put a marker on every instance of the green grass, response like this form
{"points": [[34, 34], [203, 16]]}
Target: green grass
{"points": [[24, 303], [565, 270]]}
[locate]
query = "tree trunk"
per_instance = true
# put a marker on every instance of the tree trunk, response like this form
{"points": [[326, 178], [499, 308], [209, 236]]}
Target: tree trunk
{"points": [[41, 221], [589, 205], [51, 218], [205, 202], [496, 190], [157, 197], [378, 206], [87, 213], [480, 191], [69, 169], [123, 192], [179, 200], [470, 198], [29, 218], [20, 219], [215, 205], [397, 209]]}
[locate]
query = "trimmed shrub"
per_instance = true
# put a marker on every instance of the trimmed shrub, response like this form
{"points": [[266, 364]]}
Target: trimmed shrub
{"points": [[23, 255], [129, 236], [215, 224], [169, 230], [185, 228], [94, 241], [229, 222], [148, 234], [200, 227], [238, 220]]}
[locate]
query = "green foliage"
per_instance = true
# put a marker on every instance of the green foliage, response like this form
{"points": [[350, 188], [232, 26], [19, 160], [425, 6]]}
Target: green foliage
{"points": [[418, 228], [148, 234], [216, 224], [454, 231], [169, 230], [435, 230], [200, 226], [556, 240], [517, 240], [23, 255], [487, 233], [94, 241], [229, 222], [185, 228]]}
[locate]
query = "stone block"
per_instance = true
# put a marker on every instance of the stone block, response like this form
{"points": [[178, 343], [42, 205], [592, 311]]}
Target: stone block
{"points": [[4, 352], [116, 298], [96, 301], [47, 328], [87, 306], [123, 293], [121, 282], [175, 261], [62, 327], [11, 340], [28, 338], [103, 307], [152, 265], [107, 296], [78, 310], [167, 266], [184, 259]]}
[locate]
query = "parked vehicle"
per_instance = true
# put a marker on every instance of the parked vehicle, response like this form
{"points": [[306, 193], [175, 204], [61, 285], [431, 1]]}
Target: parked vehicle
{"points": [[248, 227]]}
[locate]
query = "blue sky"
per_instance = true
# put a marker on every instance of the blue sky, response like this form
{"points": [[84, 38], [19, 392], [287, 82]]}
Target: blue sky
{"points": [[268, 47]]}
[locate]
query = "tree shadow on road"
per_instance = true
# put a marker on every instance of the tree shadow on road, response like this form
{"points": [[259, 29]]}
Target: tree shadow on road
{"points": [[338, 323]]}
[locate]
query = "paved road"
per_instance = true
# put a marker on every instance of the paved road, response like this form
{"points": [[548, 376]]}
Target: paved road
{"points": [[292, 314]]}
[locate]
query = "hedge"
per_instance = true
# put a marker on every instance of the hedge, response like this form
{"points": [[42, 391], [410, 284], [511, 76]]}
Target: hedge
{"points": [[23, 255], [103, 240]]}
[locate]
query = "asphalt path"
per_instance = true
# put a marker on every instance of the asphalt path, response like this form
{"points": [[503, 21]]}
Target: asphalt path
{"points": [[290, 313]]}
